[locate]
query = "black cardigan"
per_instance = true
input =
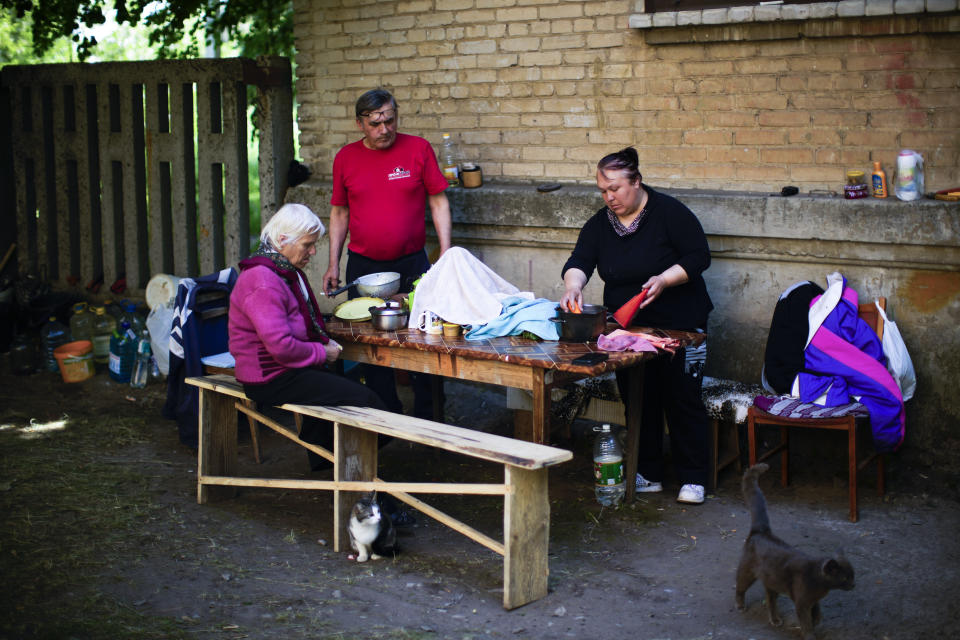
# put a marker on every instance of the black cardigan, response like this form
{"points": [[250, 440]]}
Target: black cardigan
{"points": [[670, 234]]}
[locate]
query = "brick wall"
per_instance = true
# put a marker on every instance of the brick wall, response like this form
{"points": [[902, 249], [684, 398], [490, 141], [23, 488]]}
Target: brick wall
{"points": [[541, 89]]}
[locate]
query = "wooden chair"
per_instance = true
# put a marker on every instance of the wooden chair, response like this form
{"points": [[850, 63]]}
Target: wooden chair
{"points": [[848, 423]]}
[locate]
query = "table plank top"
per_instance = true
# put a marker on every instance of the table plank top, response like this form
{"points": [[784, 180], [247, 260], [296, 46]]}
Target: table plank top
{"points": [[545, 354]]}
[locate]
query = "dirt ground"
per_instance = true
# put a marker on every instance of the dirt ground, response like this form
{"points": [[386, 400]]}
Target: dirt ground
{"points": [[262, 565]]}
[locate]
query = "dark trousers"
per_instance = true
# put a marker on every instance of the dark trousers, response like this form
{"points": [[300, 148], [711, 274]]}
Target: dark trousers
{"points": [[671, 388], [315, 386], [383, 379]]}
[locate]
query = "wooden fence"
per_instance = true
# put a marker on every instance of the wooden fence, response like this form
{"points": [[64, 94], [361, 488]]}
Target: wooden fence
{"points": [[127, 169]]}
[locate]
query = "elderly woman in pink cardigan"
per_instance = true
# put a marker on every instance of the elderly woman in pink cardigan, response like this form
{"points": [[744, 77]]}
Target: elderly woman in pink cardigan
{"points": [[277, 336]]}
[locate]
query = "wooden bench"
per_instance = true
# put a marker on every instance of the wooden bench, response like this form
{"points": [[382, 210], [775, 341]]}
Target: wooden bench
{"points": [[526, 512]]}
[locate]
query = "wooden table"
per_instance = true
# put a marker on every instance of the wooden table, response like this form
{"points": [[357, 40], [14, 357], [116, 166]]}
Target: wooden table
{"points": [[532, 365]]}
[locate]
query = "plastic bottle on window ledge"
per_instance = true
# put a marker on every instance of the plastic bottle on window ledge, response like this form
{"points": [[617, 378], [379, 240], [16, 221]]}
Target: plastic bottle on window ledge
{"points": [[609, 485], [450, 161]]}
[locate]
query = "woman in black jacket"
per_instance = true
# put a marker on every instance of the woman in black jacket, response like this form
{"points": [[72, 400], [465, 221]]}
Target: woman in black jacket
{"points": [[643, 239]]}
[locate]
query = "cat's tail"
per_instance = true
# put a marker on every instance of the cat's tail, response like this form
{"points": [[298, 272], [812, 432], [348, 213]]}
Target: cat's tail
{"points": [[759, 522]]}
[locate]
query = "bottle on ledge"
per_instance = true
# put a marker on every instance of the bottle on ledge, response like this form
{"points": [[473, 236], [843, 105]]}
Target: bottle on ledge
{"points": [[450, 161]]}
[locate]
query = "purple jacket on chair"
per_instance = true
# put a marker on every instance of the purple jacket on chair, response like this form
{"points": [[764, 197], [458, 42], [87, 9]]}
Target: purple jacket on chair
{"points": [[844, 360]]}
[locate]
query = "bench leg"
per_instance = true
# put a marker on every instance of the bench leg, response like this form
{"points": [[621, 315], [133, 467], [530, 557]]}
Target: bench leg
{"points": [[217, 438], [355, 458], [526, 535]]}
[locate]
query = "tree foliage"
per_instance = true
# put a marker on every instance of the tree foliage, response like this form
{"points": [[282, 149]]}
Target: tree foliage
{"points": [[176, 27]]}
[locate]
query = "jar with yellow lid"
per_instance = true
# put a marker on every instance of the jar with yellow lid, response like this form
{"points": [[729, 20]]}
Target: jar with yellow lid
{"points": [[856, 187]]}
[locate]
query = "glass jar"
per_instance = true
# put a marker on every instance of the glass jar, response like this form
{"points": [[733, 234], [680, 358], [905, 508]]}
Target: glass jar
{"points": [[856, 186]]}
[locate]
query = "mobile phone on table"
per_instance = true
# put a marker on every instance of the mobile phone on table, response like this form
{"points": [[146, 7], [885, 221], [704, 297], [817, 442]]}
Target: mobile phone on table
{"points": [[590, 358]]}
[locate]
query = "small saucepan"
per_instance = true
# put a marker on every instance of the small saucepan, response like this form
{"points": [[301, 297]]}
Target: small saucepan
{"points": [[374, 285], [584, 326], [389, 316]]}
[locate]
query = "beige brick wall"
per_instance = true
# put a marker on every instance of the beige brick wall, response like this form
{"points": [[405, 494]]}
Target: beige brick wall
{"points": [[541, 89]]}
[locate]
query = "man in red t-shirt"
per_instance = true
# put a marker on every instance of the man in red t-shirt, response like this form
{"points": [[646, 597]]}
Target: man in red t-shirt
{"points": [[380, 185]]}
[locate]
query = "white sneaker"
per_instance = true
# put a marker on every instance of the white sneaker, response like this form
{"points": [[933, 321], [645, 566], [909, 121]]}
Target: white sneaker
{"points": [[645, 486], [691, 494]]}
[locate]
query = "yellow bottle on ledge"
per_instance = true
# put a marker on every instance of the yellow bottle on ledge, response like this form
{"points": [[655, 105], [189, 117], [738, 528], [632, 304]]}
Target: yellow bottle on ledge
{"points": [[879, 181]]}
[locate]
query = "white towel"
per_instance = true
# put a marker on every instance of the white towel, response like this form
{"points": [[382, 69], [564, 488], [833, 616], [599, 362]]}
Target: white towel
{"points": [[461, 289]]}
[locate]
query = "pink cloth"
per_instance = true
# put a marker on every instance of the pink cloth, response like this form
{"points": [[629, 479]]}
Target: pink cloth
{"points": [[268, 333], [620, 340]]}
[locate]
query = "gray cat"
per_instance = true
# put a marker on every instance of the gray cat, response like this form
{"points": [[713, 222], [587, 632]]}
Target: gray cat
{"points": [[782, 568], [372, 534]]}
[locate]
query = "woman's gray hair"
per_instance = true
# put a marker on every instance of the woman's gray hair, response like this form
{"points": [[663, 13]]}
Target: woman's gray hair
{"points": [[291, 222]]}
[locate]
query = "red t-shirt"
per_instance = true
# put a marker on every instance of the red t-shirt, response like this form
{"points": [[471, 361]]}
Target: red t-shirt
{"points": [[386, 193]]}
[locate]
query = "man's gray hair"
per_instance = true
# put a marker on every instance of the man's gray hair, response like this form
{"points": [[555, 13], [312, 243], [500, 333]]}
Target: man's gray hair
{"points": [[373, 100], [291, 222]]}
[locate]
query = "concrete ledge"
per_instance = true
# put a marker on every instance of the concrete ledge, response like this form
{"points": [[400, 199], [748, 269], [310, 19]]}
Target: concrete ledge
{"points": [[731, 214]]}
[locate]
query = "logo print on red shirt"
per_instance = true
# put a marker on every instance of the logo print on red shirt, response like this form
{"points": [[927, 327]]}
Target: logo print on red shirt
{"points": [[398, 173]]}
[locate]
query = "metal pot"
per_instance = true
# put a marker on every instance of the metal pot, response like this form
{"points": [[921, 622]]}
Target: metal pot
{"points": [[389, 317], [584, 326], [374, 285]]}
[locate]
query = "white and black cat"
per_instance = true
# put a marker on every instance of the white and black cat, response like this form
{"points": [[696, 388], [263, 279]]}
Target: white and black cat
{"points": [[372, 534], [782, 568]]}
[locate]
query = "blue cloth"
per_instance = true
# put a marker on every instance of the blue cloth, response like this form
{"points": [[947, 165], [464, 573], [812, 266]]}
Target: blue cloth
{"points": [[199, 329], [520, 314]]}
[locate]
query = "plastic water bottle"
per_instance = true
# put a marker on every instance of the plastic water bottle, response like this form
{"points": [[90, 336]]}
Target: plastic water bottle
{"points": [[133, 318], [450, 161], [103, 327], [113, 309], [53, 334], [141, 366], [608, 468], [123, 349], [81, 323]]}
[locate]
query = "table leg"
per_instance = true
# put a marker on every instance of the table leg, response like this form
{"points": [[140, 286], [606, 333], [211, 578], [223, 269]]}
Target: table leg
{"points": [[634, 413], [217, 443], [526, 534], [541, 409], [355, 458]]}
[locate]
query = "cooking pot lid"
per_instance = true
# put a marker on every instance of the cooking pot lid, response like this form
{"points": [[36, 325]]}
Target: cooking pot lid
{"points": [[388, 309]]}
